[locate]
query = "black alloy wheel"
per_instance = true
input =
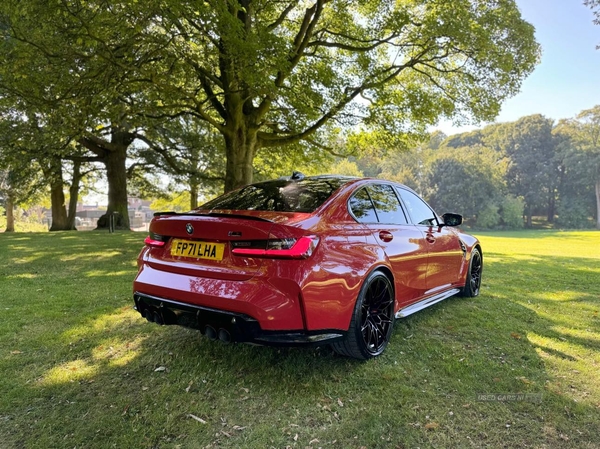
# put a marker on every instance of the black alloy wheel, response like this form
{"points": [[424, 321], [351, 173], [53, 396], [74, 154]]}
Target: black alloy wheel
{"points": [[372, 321], [473, 284]]}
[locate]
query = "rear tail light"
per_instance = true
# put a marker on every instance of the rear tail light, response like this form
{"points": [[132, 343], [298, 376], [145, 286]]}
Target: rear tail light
{"points": [[155, 240], [288, 248]]}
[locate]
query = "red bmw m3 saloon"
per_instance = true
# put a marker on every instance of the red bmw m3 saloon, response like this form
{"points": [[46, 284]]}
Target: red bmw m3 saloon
{"points": [[305, 260]]}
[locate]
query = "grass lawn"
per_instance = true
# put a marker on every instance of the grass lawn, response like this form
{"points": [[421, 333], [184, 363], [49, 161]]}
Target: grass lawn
{"points": [[517, 367]]}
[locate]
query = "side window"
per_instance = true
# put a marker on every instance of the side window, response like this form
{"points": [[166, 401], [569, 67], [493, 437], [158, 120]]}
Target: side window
{"points": [[362, 208], [419, 211], [386, 203]]}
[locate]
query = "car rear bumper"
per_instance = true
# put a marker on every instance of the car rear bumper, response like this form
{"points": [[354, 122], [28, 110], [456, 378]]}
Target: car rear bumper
{"points": [[226, 325]]}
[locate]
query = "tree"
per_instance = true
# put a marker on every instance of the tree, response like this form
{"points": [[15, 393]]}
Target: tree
{"points": [[189, 151], [263, 73], [20, 176], [469, 181], [398, 66], [16, 187], [594, 5], [580, 152], [30, 138], [75, 63], [533, 171]]}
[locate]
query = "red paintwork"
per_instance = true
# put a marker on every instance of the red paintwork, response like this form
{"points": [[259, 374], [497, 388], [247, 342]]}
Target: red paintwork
{"points": [[318, 292]]}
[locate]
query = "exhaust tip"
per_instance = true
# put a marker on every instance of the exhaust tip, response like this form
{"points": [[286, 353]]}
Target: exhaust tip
{"points": [[158, 318], [224, 336], [148, 315], [210, 332]]}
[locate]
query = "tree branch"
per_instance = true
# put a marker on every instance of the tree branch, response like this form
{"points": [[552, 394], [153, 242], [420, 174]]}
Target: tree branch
{"points": [[282, 16]]}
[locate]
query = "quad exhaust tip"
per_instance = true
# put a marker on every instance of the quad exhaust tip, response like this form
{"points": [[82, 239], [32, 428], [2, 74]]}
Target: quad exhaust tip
{"points": [[224, 336], [153, 316], [210, 332]]}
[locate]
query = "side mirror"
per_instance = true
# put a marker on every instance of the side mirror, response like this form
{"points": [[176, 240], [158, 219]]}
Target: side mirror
{"points": [[452, 219]]}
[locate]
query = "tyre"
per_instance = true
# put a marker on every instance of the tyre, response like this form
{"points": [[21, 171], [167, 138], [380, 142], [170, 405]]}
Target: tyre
{"points": [[372, 320], [473, 284]]}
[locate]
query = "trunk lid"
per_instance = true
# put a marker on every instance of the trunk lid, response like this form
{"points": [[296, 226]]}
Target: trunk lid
{"points": [[201, 244]]}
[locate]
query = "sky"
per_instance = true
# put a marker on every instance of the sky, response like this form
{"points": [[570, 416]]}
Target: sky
{"points": [[567, 80]]}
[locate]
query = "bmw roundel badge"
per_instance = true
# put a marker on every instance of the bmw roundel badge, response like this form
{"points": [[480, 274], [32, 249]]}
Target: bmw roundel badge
{"points": [[189, 228]]}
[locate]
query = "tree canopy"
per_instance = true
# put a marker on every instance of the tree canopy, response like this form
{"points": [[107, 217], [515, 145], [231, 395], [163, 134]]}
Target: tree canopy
{"points": [[273, 79], [269, 73]]}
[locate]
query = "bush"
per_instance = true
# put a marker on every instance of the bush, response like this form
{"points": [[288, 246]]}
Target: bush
{"points": [[511, 212], [488, 217], [572, 215]]}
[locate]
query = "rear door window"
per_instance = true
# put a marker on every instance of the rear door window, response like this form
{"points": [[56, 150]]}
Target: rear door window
{"points": [[387, 205]]}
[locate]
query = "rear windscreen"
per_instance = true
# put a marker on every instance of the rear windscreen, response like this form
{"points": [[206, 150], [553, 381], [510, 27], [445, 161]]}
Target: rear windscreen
{"points": [[279, 195]]}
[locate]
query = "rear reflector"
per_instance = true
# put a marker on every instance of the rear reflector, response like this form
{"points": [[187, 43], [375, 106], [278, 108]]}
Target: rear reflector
{"points": [[282, 248]]}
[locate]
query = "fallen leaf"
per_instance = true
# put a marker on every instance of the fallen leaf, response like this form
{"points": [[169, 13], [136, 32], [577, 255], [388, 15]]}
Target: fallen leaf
{"points": [[145, 388], [515, 335], [200, 420], [431, 425], [160, 369], [313, 441], [16, 352], [296, 437], [239, 427], [340, 403]]}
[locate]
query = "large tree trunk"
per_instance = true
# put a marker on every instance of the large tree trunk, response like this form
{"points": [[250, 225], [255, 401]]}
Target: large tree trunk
{"points": [[10, 216], [598, 204], [74, 195], [59, 211], [57, 196], [113, 155], [240, 147], [551, 206], [529, 218], [116, 176]]}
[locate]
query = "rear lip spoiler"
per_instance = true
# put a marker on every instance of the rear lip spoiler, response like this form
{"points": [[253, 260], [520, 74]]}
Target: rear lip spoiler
{"points": [[211, 214]]}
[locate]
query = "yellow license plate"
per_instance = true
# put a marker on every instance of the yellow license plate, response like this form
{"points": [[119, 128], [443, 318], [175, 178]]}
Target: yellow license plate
{"points": [[198, 250]]}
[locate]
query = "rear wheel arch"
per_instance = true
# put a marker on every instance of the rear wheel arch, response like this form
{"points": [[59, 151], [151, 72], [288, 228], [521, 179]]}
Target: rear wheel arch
{"points": [[388, 273]]}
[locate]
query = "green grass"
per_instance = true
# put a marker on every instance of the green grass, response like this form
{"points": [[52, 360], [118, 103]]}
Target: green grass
{"points": [[78, 367]]}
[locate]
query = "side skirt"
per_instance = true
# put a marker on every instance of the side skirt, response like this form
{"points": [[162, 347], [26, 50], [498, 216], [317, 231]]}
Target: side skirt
{"points": [[409, 310]]}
